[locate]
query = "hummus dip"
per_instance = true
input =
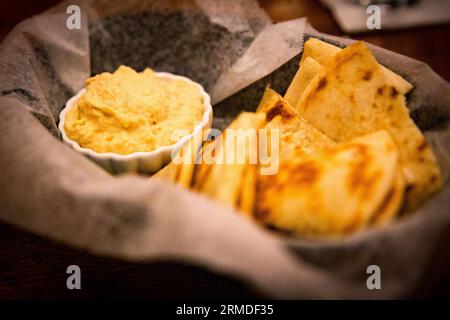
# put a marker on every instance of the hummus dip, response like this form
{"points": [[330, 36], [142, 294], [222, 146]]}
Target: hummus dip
{"points": [[127, 111]]}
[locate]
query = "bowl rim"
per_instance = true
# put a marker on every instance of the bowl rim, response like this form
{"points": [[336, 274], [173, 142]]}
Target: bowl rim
{"points": [[207, 114]]}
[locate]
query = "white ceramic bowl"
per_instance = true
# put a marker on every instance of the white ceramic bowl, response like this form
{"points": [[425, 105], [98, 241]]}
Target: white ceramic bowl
{"points": [[143, 162]]}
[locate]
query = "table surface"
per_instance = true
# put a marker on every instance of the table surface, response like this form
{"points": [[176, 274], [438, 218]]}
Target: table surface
{"points": [[35, 267]]}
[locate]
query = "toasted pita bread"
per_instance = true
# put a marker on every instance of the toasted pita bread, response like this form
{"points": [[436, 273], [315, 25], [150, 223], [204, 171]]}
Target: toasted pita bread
{"points": [[392, 202], [319, 50], [322, 52], [305, 73], [189, 153], [246, 202], [271, 98], [297, 137], [223, 182], [182, 173], [351, 97], [335, 191], [169, 173], [201, 170]]}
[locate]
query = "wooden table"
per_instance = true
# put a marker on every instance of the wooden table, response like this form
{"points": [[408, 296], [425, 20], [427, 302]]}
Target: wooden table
{"points": [[35, 267]]}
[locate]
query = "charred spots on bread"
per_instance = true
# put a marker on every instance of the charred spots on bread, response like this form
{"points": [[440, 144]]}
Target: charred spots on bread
{"points": [[322, 83], [305, 173], [433, 178], [367, 75], [422, 146], [355, 224], [394, 92], [278, 110]]}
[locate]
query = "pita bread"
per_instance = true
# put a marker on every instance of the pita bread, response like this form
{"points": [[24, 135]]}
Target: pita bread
{"points": [[351, 97], [201, 170], [297, 137], [246, 202], [169, 173], [333, 192], [269, 98], [189, 153], [305, 73], [322, 52], [392, 202], [223, 182], [182, 174]]}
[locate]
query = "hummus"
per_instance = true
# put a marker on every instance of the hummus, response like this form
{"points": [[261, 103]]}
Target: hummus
{"points": [[127, 111]]}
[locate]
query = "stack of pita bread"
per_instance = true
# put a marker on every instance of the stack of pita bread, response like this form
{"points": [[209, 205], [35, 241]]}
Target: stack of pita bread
{"points": [[350, 156]]}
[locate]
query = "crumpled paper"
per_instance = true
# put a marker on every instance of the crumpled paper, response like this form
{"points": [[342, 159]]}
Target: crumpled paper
{"points": [[234, 51]]}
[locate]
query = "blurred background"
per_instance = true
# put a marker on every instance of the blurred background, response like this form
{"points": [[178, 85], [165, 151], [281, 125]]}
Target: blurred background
{"points": [[417, 28]]}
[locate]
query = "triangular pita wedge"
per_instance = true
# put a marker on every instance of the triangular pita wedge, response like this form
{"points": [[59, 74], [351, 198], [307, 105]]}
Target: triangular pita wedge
{"points": [[201, 170], [305, 73], [223, 182], [322, 52], [297, 137], [269, 98], [335, 191], [392, 202], [182, 173], [189, 154], [351, 97], [169, 173], [246, 201]]}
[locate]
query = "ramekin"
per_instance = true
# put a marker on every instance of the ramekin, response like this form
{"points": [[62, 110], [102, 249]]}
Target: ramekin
{"points": [[141, 162]]}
